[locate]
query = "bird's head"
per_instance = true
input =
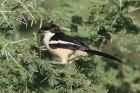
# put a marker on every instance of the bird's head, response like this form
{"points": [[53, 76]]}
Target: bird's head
{"points": [[48, 27]]}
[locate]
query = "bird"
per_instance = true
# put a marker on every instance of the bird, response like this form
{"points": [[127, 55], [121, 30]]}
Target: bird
{"points": [[66, 47]]}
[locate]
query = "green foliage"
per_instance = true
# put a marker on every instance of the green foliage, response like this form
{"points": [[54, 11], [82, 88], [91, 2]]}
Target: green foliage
{"points": [[25, 68]]}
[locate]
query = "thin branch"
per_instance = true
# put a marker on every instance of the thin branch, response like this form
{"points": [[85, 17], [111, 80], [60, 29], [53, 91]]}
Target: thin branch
{"points": [[7, 56], [34, 3], [31, 75], [40, 23], [101, 36], [25, 11], [31, 15], [3, 2], [43, 49], [26, 90], [31, 6], [22, 15], [120, 5], [26, 26], [64, 28], [44, 79], [111, 40], [7, 11], [20, 1], [134, 9], [1, 22], [32, 22], [5, 18], [18, 41], [12, 57], [18, 20]]}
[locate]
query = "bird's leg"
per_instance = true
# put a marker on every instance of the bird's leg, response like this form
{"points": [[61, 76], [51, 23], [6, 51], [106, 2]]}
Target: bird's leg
{"points": [[69, 62], [63, 62]]}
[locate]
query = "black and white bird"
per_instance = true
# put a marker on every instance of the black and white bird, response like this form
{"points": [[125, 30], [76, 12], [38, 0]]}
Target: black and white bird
{"points": [[66, 47]]}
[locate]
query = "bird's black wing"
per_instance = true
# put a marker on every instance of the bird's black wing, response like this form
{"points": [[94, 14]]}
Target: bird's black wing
{"points": [[61, 40]]}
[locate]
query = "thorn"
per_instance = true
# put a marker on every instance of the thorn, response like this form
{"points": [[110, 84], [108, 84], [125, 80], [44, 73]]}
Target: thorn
{"points": [[17, 41], [3, 2], [44, 79], [17, 20], [5, 18], [32, 23], [12, 57], [31, 15], [64, 28], [40, 23]]}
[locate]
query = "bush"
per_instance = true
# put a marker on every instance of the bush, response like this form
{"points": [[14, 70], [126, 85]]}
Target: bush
{"points": [[25, 68]]}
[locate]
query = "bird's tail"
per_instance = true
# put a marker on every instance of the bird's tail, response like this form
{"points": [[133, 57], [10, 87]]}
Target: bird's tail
{"points": [[103, 55]]}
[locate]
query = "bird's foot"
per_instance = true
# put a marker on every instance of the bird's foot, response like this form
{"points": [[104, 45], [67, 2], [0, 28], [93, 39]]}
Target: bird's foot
{"points": [[66, 65], [42, 48]]}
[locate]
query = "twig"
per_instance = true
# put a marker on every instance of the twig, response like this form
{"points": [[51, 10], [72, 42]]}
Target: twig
{"points": [[44, 79], [7, 56], [120, 5], [3, 2], [31, 15], [34, 3], [40, 23], [64, 28], [134, 9], [12, 57], [31, 75], [7, 11], [30, 6], [20, 1], [18, 20], [111, 40], [1, 22], [22, 15], [26, 26], [26, 11], [32, 22], [101, 36], [5, 18], [18, 41], [26, 90]]}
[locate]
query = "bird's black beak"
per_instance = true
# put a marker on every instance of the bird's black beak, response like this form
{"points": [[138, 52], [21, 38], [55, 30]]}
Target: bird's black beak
{"points": [[40, 31]]}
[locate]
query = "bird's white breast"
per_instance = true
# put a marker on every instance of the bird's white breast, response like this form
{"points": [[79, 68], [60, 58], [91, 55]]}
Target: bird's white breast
{"points": [[62, 53], [47, 38]]}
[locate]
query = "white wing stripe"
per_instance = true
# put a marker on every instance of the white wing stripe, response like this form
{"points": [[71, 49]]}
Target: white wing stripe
{"points": [[62, 42]]}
